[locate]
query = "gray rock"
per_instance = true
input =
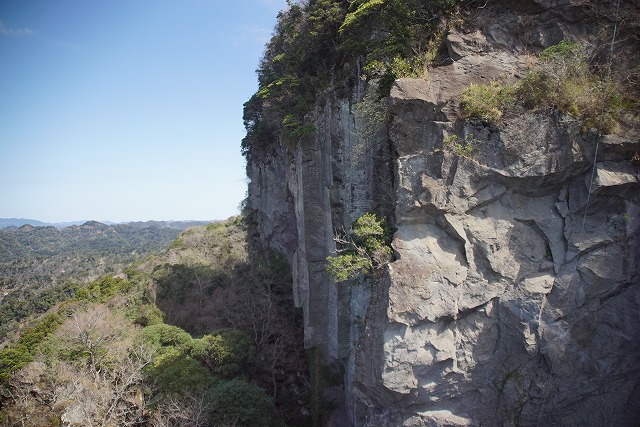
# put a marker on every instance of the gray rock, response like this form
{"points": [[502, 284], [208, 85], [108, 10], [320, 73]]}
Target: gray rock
{"points": [[514, 295]]}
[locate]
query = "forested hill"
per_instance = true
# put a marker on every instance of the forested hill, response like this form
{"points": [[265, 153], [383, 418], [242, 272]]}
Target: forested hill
{"points": [[40, 265], [202, 334], [92, 236]]}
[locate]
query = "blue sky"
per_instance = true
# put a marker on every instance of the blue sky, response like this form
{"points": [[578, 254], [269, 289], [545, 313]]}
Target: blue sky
{"points": [[126, 110]]}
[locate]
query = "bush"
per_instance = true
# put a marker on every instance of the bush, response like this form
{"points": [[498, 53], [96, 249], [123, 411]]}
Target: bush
{"points": [[365, 249], [103, 289], [33, 336], [12, 359], [461, 147], [559, 80], [175, 372], [227, 353], [146, 315], [370, 232], [486, 101], [348, 266], [162, 335], [562, 80], [239, 403]]}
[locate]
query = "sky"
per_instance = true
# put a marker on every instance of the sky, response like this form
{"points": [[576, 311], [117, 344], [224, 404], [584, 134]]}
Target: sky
{"points": [[126, 110]]}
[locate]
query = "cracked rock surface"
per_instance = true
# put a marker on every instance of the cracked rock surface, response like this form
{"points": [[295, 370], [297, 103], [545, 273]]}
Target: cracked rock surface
{"points": [[514, 299], [514, 296]]}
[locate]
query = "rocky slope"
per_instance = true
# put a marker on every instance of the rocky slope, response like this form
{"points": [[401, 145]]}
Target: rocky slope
{"points": [[514, 297]]}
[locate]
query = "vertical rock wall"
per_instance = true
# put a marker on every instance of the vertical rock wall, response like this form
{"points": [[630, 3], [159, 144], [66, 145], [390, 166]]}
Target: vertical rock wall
{"points": [[302, 196], [514, 298]]}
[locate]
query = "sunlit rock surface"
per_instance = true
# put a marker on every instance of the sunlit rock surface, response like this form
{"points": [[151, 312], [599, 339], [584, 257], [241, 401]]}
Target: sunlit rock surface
{"points": [[514, 297]]}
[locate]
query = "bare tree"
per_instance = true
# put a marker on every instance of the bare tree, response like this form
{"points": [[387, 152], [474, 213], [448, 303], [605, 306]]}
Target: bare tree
{"points": [[103, 380], [190, 409]]}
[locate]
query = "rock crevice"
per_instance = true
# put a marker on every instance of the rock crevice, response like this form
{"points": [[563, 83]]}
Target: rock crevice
{"points": [[514, 296]]}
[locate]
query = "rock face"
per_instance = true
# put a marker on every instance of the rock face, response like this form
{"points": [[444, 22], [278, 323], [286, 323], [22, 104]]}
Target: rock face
{"points": [[514, 297]]}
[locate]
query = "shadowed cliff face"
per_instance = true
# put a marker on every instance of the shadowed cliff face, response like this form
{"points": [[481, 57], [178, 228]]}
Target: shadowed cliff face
{"points": [[514, 297]]}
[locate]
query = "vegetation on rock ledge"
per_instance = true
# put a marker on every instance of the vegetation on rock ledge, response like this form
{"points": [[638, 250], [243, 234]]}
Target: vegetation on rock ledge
{"points": [[561, 79], [366, 248], [319, 44]]}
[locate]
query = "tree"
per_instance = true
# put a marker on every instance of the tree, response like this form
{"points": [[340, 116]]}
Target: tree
{"points": [[227, 352], [365, 249], [239, 403], [102, 367]]}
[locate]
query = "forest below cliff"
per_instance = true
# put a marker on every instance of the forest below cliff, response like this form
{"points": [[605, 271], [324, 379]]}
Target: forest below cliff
{"points": [[41, 265], [199, 333]]}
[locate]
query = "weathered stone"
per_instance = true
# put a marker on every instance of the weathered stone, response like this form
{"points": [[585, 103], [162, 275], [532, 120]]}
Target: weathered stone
{"points": [[514, 296], [616, 179]]}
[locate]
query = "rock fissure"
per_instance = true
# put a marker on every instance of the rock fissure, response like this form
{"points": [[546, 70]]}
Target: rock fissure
{"points": [[505, 304]]}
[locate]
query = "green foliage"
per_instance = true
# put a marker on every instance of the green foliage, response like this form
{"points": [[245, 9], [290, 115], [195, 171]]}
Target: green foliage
{"points": [[43, 266], [317, 44], [295, 129], [566, 51], [365, 249], [559, 79], [460, 147], [348, 266], [12, 359], [18, 306], [174, 368], [145, 314], [93, 339], [562, 80], [226, 353], [162, 335], [485, 101], [32, 336], [297, 61], [363, 10], [103, 289], [175, 372], [241, 404], [370, 232], [175, 280], [393, 35], [387, 71]]}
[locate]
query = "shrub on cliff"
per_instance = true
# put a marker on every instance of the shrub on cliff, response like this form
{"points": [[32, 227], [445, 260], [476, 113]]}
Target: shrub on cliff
{"points": [[561, 79], [392, 36], [486, 101], [363, 250], [318, 43]]}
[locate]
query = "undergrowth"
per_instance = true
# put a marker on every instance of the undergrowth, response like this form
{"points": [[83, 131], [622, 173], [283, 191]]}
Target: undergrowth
{"points": [[562, 80]]}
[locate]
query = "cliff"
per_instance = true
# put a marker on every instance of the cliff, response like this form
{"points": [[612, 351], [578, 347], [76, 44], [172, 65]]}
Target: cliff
{"points": [[514, 294]]}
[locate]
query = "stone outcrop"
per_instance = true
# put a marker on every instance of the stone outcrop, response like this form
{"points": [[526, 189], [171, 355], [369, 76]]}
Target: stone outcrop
{"points": [[514, 297]]}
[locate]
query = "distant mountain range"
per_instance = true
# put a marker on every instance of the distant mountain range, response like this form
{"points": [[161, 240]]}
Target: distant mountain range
{"points": [[19, 222]]}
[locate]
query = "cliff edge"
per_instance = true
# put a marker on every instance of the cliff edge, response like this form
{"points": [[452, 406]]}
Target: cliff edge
{"points": [[514, 295]]}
